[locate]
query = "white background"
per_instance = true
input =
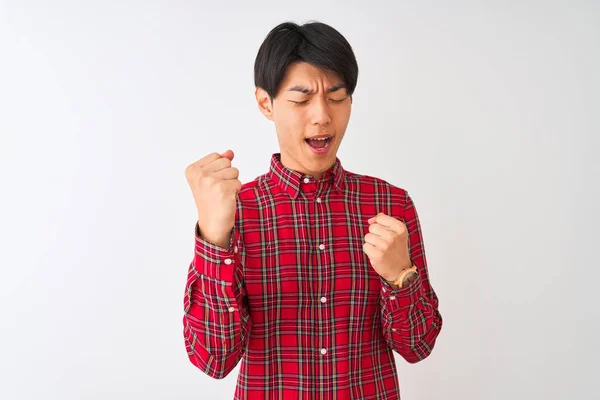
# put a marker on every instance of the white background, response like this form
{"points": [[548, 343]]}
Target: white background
{"points": [[486, 112]]}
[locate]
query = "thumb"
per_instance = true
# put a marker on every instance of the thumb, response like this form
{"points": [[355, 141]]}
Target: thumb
{"points": [[372, 219], [228, 154]]}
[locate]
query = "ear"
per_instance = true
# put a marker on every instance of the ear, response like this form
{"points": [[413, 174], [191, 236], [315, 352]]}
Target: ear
{"points": [[264, 102]]}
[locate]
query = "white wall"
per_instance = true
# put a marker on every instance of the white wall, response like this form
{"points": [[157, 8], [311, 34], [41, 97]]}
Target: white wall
{"points": [[486, 112]]}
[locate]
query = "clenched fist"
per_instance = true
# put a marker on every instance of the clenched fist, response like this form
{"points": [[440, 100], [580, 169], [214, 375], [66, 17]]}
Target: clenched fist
{"points": [[386, 245], [215, 185]]}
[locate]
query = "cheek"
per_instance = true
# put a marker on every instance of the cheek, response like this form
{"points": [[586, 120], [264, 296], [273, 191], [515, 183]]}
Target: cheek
{"points": [[290, 125], [345, 113], [342, 120]]}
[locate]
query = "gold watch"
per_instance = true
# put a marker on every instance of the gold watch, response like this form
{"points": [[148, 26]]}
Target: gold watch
{"points": [[412, 272]]}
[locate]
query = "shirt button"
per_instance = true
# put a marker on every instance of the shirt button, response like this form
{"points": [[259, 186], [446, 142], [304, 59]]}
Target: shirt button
{"points": [[323, 299], [322, 246], [235, 249], [323, 351], [228, 261], [231, 309], [306, 180], [393, 329], [319, 200], [392, 297]]}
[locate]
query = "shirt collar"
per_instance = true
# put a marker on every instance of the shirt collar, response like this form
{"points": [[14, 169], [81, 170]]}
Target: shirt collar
{"points": [[290, 180]]}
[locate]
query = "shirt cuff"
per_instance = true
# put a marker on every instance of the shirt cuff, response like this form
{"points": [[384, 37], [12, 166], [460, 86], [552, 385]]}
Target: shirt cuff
{"points": [[402, 296], [215, 261]]}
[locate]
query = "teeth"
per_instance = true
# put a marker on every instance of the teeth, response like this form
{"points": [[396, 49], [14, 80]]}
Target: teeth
{"points": [[320, 139]]}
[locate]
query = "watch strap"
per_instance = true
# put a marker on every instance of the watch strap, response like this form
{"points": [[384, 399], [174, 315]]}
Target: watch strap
{"points": [[400, 278]]}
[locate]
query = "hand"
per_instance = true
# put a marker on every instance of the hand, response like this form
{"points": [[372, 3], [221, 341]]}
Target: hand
{"points": [[215, 185], [386, 245]]}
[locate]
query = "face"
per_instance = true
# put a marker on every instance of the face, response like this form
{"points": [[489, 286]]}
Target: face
{"points": [[310, 103]]}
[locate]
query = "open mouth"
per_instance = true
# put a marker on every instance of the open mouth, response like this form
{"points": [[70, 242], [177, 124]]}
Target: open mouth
{"points": [[320, 144]]}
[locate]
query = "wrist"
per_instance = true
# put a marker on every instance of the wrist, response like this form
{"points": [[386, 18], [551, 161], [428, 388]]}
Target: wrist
{"points": [[404, 278], [400, 271], [221, 239]]}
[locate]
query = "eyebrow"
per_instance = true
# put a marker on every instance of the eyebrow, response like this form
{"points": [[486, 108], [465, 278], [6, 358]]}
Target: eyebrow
{"points": [[305, 90]]}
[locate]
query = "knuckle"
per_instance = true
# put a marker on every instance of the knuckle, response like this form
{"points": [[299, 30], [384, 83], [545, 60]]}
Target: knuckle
{"points": [[200, 172], [220, 186], [209, 180], [189, 170]]}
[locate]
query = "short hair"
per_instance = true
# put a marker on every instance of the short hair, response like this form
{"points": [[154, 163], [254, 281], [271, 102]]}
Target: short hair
{"points": [[313, 42]]}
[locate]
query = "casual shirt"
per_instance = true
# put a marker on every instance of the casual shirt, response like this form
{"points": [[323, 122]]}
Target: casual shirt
{"points": [[295, 297]]}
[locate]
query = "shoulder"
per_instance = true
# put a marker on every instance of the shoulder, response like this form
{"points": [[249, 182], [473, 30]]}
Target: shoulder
{"points": [[249, 190], [255, 191], [375, 185]]}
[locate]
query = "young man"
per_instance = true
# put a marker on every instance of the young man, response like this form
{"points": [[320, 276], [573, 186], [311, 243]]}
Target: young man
{"points": [[311, 275]]}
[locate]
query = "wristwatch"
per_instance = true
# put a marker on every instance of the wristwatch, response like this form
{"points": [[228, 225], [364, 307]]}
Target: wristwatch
{"points": [[405, 277]]}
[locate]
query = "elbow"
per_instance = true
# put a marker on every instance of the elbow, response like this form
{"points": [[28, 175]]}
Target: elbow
{"points": [[220, 375], [217, 364], [218, 371], [413, 356], [422, 348], [212, 361], [211, 366]]}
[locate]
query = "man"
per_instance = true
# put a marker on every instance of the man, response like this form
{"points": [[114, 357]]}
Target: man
{"points": [[311, 275]]}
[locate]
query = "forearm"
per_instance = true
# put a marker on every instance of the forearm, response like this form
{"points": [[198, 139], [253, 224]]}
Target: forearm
{"points": [[216, 317], [410, 319]]}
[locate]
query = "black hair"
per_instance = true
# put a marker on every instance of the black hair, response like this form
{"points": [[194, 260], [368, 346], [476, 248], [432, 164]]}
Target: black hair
{"points": [[313, 42]]}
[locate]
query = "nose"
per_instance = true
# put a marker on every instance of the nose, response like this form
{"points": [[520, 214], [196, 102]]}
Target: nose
{"points": [[320, 112]]}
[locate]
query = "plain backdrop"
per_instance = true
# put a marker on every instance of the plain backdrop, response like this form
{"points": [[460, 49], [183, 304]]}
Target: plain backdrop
{"points": [[486, 112]]}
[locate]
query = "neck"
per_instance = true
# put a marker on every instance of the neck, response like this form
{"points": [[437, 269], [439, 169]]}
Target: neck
{"points": [[292, 164]]}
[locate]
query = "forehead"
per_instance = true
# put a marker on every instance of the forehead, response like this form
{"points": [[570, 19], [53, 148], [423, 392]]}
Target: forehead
{"points": [[305, 74]]}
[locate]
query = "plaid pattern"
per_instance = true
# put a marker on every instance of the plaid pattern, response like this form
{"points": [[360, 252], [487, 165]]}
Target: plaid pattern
{"points": [[296, 299]]}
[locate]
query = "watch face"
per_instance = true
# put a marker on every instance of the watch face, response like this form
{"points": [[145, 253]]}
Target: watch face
{"points": [[409, 278]]}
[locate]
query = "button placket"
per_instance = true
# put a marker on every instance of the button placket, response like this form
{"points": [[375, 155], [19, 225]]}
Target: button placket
{"points": [[321, 258]]}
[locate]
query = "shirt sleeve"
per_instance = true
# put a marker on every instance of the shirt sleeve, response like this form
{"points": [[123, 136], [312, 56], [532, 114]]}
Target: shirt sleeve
{"points": [[216, 320], [410, 317]]}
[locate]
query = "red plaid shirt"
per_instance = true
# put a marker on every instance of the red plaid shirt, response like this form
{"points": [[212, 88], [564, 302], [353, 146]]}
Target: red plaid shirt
{"points": [[296, 299]]}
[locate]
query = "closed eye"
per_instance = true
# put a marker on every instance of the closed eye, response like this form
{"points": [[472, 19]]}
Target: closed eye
{"points": [[306, 101]]}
